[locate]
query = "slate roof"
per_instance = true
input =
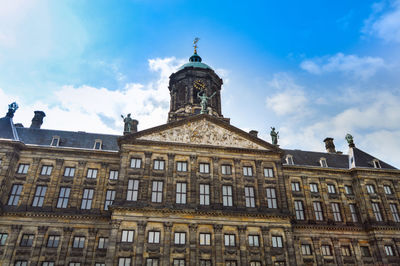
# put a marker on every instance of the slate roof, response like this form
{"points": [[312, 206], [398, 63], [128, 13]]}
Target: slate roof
{"points": [[363, 159], [7, 129], [310, 158]]}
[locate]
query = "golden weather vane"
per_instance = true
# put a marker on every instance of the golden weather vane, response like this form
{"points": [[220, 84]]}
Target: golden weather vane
{"points": [[195, 41]]}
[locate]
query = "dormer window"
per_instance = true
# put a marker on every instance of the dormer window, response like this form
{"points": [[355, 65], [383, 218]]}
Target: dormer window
{"points": [[376, 163], [55, 141], [323, 162], [97, 144], [289, 159]]}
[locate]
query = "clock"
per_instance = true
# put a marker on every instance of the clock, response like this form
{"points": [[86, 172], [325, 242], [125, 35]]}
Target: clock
{"points": [[199, 84]]}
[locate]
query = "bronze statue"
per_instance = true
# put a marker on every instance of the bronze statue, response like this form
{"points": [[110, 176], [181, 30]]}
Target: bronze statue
{"points": [[274, 136], [204, 100], [349, 139], [11, 109], [127, 123]]}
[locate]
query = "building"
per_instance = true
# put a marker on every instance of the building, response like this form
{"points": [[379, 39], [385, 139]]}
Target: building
{"points": [[194, 191]]}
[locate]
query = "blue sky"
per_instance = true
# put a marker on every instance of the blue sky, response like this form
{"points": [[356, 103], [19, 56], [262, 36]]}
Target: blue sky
{"points": [[312, 69]]}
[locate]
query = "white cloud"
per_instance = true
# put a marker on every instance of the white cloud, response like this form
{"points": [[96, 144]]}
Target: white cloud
{"points": [[360, 67]]}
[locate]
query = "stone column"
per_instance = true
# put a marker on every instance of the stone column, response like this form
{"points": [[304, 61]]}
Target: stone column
{"points": [[261, 197], [112, 242], [193, 244], [167, 243], [290, 246], [141, 228], [238, 186], [39, 243], [317, 250], [193, 181], [215, 184], [242, 245], [267, 245], [91, 245], [65, 245], [356, 249], [145, 183], [337, 251], [219, 258], [12, 243], [170, 199]]}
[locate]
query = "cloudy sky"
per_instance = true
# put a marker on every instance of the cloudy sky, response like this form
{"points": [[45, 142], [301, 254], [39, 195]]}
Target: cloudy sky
{"points": [[312, 69]]}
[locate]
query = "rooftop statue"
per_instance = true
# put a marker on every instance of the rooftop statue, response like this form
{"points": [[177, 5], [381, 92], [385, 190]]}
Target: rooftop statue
{"points": [[274, 136], [11, 109], [128, 123], [204, 100], [349, 139]]}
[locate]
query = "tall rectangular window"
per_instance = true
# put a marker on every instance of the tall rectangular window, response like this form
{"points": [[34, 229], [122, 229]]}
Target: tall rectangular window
{"points": [[370, 189], [314, 187], [69, 171], [113, 175], [205, 239], [319, 215], [336, 212], [157, 191], [271, 198], [3, 238], [227, 196], [249, 196], [388, 190], [23, 168], [53, 241], [204, 194], [136, 163], [152, 262], [21, 263], [154, 237], [348, 189], [63, 197], [103, 243], [205, 263], [14, 195], [79, 242], [181, 166], [133, 189], [346, 251], [331, 189], [110, 196], [377, 212], [127, 236], [254, 240], [247, 171], [230, 263], [389, 250], [122, 261], [295, 186], [326, 250], [180, 238], [229, 240], [365, 251], [48, 263], [39, 196], [46, 170], [298, 207], [179, 262], [277, 242], [306, 249], [268, 172], [181, 193], [204, 168], [353, 211], [226, 169], [27, 240], [87, 199], [158, 164], [395, 212], [255, 263], [74, 264], [91, 173]]}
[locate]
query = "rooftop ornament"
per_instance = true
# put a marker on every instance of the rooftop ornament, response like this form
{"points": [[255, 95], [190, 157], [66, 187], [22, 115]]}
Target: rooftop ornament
{"points": [[274, 136], [11, 109], [349, 139]]}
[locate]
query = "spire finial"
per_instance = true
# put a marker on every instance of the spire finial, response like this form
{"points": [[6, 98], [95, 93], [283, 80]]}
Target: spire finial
{"points": [[195, 41]]}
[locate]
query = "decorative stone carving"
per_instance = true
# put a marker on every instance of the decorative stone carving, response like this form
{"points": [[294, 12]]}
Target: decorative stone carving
{"points": [[193, 227], [59, 162], [42, 229], [218, 228], [16, 227], [242, 228], [115, 224], [203, 132], [93, 231], [168, 226], [141, 225], [68, 229]]}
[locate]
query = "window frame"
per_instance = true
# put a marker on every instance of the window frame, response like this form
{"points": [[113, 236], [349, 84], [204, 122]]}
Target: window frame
{"points": [[229, 240], [306, 250], [204, 194], [102, 243], [91, 173], [79, 242], [53, 241], [395, 212], [3, 238], [353, 212], [250, 198], [136, 163], [68, 170], [15, 194], [157, 189], [389, 250], [269, 172], [370, 188], [299, 210], [180, 238], [204, 168], [55, 141], [254, 240], [276, 241], [295, 186], [38, 199], [247, 171], [27, 240], [205, 239], [337, 215], [326, 250], [388, 189], [331, 189], [227, 195], [314, 188], [127, 236], [158, 164], [132, 192], [87, 198], [110, 197], [62, 199], [23, 168], [272, 200], [226, 169], [153, 237], [318, 211], [181, 166], [46, 170], [377, 211], [349, 190], [180, 193], [113, 174]]}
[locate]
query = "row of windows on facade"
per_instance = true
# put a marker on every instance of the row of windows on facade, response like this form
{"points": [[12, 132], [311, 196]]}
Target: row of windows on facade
{"points": [[348, 188], [323, 162], [133, 192]]}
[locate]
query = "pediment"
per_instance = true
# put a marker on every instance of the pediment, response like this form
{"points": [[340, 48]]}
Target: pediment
{"points": [[204, 131]]}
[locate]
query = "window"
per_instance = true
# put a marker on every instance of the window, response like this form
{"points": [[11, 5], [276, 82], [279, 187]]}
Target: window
{"points": [[180, 238], [353, 211], [127, 236], [298, 206], [230, 263], [365, 251], [79, 242], [348, 189], [205, 239], [229, 240], [154, 237], [124, 261], [268, 172], [152, 262], [97, 144], [158, 165], [39, 196], [323, 162], [53, 241], [27, 240], [227, 196], [389, 250], [21, 263], [179, 262], [113, 175], [181, 193], [370, 189], [289, 159], [74, 264], [255, 263], [110, 196], [277, 242], [15, 194], [91, 173], [3, 238], [388, 190], [133, 189], [226, 169], [247, 171], [271, 198], [48, 263], [204, 194], [157, 190], [136, 163], [319, 216], [63, 197], [331, 189], [69, 171], [55, 141], [314, 187], [46, 170], [103, 243], [249, 196], [376, 164], [254, 241], [204, 168], [346, 251], [295, 186], [337, 217], [205, 263], [395, 212], [377, 212], [181, 166], [326, 250], [87, 199], [306, 249], [100, 264], [23, 168]]}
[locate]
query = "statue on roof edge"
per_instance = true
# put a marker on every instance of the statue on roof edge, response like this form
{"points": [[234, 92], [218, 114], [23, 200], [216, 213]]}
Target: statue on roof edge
{"points": [[274, 136], [128, 121], [11, 109], [349, 139]]}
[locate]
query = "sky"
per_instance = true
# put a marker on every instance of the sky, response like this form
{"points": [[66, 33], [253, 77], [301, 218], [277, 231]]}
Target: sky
{"points": [[311, 69]]}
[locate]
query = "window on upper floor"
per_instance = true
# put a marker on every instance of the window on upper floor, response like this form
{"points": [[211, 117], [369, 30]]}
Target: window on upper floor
{"points": [[79, 242], [388, 190], [348, 190], [22, 168], [15, 194], [314, 187], [376, 163], [157, 191], [180, 193], [254, 240], [46, 170], [230, 263], [323, 162], [69, 171], [103, 243], [91, 173], [38, 199], [87, 199], [395, 212], [289, 159], [326, 250], [204, 168], [353, 211], [346, 251], [331, 189], [306, 249], [204, 194], [319, 215], [3, 238], [255, 263], [154, 237], [98, 143], [113, 175], [48, 263], [205, 239], [268, 172], [124, 261], [271, 198], [179, 262], [180, 238], [136, 163], [370, 189], [110, 196], [152, 262], [21, 263], [181, 166], [55, 141], [377, 211], [296, 186], [299, 209], [337, 216], [127, 236], [27, 240], [99, 264], [227, 199], [74, 264], [133, 190], [158, 164], [249, 197], [389, 250], [63, 197], [229, 240], [53, 241], [247, 171], [365, 252], [277, 242], [226, 169], [205, 262]]}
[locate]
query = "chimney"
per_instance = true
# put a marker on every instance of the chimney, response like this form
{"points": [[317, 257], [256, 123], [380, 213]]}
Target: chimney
{"points": [[329, 146], [254, 133], [37, 120]]}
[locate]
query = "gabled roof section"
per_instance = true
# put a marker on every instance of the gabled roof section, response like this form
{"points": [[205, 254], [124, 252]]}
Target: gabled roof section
{"points": [[7, 129], [201, 130], [363, 159], [311, 158]]}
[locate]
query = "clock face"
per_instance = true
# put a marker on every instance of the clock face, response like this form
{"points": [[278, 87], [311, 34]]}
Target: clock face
{"points": [[199, 84]]}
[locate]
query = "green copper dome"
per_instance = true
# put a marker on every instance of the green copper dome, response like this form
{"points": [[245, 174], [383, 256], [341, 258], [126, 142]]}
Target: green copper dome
{"points": [[195, 61]]}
